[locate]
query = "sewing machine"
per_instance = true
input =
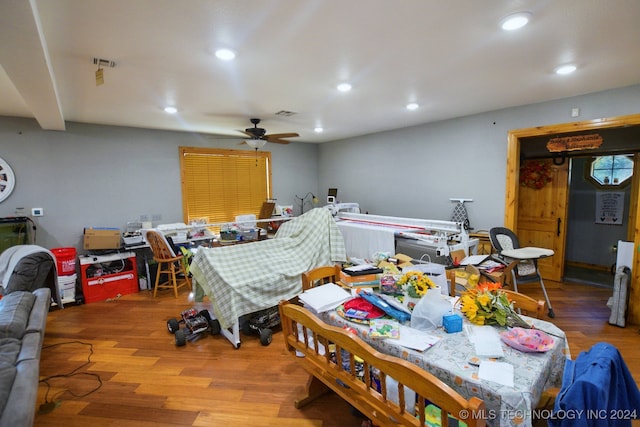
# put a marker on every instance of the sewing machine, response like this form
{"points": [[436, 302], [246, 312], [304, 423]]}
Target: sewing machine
{"points": [[336, 208], [367, 234]]}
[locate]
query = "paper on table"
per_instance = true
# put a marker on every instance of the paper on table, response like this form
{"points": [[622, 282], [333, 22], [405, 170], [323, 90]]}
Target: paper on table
{"points": [[486, 340], [498, 372], [394, 303], [325, 297], [473, 259], [415, 339]]}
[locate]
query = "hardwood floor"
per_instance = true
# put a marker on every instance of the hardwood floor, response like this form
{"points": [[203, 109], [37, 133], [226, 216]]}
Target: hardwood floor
{"points": [[115, 364]]}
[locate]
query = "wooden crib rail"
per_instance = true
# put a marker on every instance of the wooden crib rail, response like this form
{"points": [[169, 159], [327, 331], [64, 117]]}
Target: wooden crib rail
{"points": [[338, 360]]}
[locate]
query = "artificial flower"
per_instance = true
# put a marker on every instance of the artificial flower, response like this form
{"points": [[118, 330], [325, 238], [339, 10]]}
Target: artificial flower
{"points": [[416, 283]]}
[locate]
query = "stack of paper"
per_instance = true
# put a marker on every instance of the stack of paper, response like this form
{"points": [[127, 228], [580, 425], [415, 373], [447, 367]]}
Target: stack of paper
{"points": [[362, 269], [486, 340], [324, 297]]}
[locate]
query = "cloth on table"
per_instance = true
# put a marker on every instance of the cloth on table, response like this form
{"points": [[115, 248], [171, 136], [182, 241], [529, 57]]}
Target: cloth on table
{"points": [[245, 278]]}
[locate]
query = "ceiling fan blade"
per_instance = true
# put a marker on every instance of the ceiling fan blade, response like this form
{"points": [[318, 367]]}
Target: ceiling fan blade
{"points": [[278, 141], [278, 137], [281, 135]]}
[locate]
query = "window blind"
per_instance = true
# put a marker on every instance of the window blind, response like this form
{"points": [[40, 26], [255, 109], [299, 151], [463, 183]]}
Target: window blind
{"points": [[219, 184]]}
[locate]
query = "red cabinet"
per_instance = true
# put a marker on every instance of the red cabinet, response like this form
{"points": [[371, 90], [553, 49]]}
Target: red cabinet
{"points": [[108, 276]]}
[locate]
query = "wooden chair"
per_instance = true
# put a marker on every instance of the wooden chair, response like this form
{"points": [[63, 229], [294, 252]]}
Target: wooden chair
{"points": [[385, 404], [320, 276], [168, 263], [527, 305]]}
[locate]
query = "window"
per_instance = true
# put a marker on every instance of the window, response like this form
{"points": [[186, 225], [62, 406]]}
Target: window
{"points": [[218, 184], [610, 171]]}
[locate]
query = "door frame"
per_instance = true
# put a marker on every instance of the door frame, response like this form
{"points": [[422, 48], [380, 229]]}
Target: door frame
{"points": [[512, 186]]}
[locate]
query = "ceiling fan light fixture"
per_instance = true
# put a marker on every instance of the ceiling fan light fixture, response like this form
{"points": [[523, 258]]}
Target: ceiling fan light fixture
{"points": [[256, 143], [565, 69], [344, 87], [515, 21], [225, 54]]}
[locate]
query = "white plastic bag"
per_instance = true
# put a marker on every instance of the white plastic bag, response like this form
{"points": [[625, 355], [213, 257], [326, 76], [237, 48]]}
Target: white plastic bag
{"points": [[409, 395], [436, 273], [428, 312]]}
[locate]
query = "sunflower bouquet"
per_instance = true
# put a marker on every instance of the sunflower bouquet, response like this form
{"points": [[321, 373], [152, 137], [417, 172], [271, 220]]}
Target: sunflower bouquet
{"points": [[416, 283], [487, 304]]}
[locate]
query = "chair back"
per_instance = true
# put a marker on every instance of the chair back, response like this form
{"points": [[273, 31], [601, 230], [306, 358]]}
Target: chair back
{"points": [[503, 239], [529, 306], [159, 246], [320, 275]]}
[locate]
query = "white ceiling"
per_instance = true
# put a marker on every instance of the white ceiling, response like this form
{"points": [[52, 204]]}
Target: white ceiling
{"points": [[450, 56]]}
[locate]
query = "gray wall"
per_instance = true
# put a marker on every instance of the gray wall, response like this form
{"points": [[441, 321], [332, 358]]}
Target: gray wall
{"points": [[106, 176], [591, 243], [413, 172], [91, 175]]}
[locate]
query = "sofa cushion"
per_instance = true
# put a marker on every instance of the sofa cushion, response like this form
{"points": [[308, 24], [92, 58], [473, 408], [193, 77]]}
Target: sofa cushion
{"points": [[15, 309], [9, 349]]}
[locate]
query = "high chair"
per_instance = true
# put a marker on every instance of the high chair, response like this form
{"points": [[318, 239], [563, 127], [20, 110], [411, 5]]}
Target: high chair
{"points": [[521, 262]]}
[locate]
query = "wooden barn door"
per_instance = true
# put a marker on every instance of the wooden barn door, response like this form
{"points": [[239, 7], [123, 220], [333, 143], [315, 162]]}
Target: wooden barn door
{"points": [[542, 214]]}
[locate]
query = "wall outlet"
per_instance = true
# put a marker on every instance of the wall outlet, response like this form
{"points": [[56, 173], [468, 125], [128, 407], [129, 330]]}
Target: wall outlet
{"points": [[575, 112], [37, 212]]}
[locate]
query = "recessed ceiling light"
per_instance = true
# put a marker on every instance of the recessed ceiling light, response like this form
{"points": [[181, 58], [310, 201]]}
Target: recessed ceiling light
{"points": [[318, 129], [225, 54], [565, 69], [412, 106], [344, 87], [515, 21], [170, 110]]}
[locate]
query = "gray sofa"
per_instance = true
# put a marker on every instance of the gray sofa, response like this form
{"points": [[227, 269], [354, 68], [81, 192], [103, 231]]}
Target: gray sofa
{"points": [[28, 274], [23, 317]]}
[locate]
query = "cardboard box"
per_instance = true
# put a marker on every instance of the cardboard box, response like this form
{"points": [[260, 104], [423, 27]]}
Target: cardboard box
{"points": [[102, 238]]}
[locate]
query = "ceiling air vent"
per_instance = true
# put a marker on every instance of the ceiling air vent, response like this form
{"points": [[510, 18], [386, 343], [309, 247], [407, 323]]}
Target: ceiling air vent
{"points": [[285, 113]]}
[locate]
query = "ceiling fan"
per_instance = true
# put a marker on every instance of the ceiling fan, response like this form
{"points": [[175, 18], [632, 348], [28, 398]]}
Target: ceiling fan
{"points": [[259, 136]]}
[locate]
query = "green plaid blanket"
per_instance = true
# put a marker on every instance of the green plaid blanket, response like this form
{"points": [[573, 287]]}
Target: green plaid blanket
{"points": [[246, 278]]}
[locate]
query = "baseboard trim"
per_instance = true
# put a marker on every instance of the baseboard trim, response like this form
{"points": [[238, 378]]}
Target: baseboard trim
{"points": [[588, 266]]}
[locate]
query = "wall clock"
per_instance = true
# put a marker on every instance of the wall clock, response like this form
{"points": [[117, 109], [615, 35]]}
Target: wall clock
{"points": [[7, 180]]}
